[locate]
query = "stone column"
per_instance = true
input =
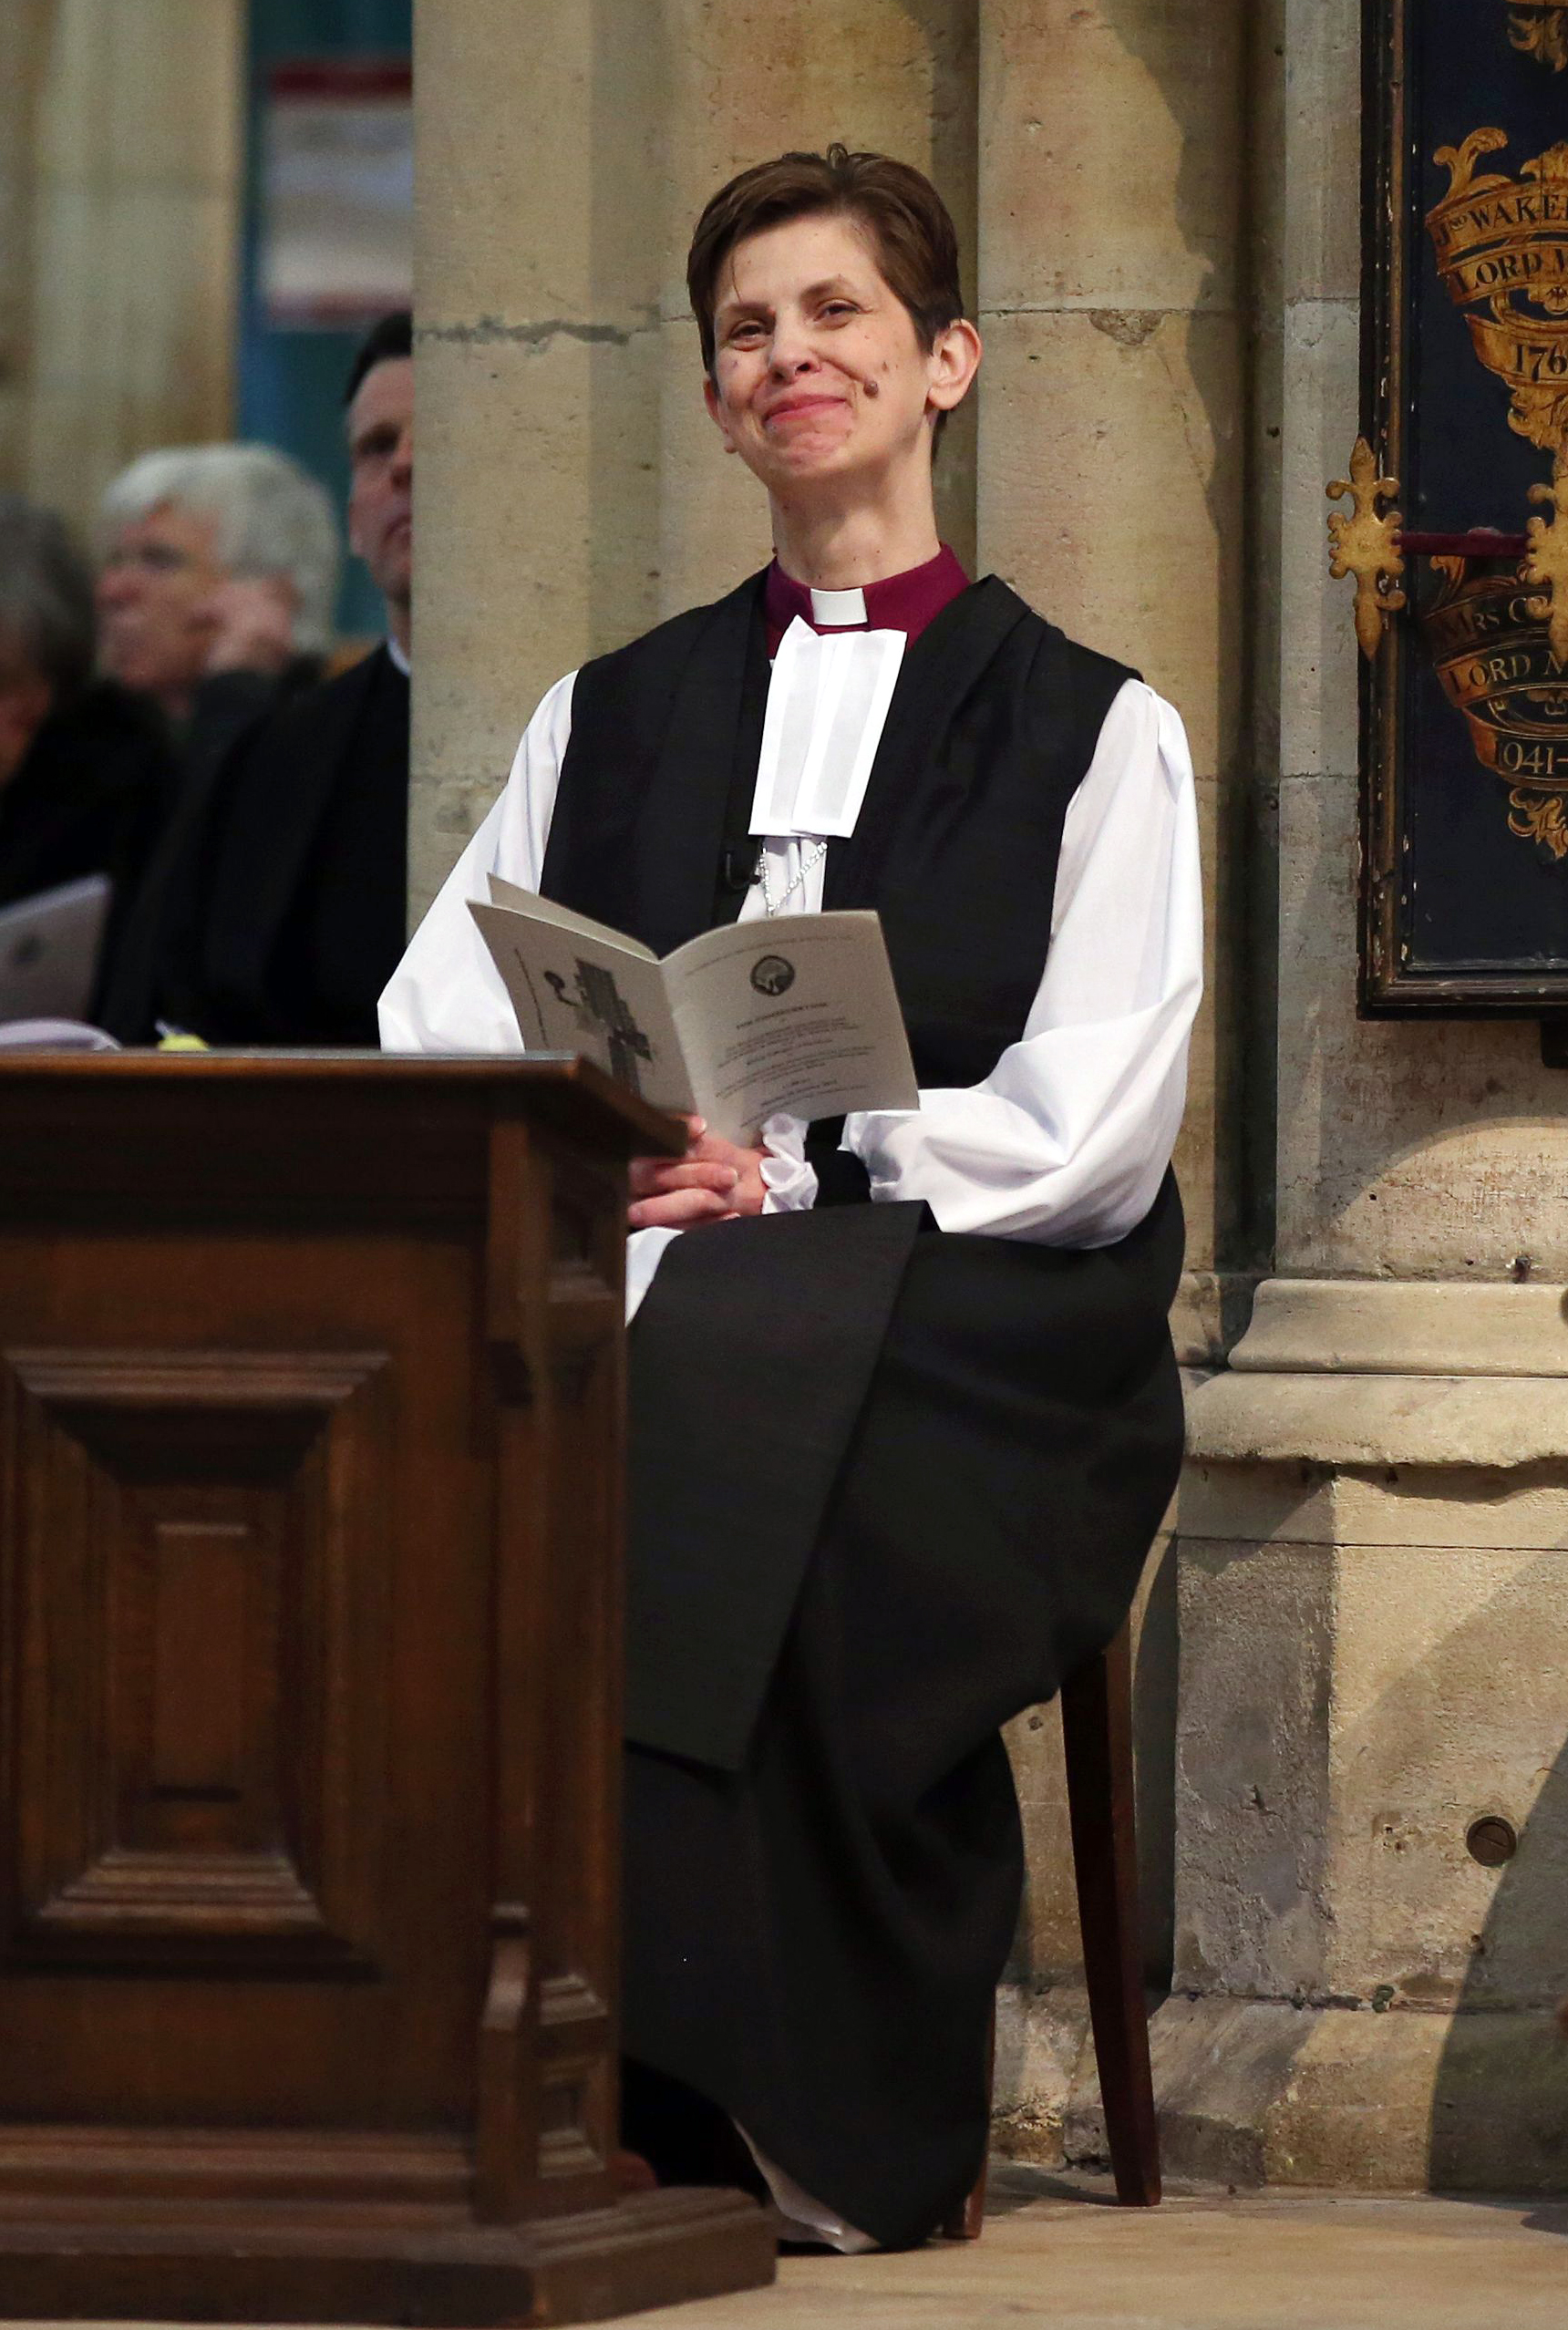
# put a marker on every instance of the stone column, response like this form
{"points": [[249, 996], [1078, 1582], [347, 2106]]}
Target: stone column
{"points": [[24, 45], [571, 488], [1112, 475], [751, 78], [135, 237], [536, 494], [1112, 492], [1374, 1599]]}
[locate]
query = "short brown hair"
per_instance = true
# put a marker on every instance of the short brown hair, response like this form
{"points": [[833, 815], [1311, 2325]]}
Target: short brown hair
{"points": [[901, 211]]}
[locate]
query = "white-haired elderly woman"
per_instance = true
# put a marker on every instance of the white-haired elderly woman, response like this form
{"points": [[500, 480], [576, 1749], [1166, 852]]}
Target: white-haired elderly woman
{"points": [[218, 560]]}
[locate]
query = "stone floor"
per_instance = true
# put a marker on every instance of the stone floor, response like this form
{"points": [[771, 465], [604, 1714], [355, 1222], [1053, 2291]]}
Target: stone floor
{"points": [[1058, 2252]]}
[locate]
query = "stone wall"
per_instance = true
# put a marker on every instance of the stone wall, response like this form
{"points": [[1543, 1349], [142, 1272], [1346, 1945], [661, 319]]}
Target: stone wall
{"points": [[120, 146], [23, 28], [1112, 467]]}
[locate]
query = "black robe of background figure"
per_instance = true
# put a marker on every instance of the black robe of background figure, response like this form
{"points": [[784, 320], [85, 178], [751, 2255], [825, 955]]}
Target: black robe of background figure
{"points": [[889, 1487], [275, 911], [90, 797]]}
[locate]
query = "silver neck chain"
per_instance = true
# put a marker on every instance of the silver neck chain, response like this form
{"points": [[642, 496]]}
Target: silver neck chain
{"points": [[810, 860]]}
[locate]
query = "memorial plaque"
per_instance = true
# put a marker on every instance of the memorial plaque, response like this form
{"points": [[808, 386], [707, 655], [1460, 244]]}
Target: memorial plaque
{"points": [[1465, 406]]}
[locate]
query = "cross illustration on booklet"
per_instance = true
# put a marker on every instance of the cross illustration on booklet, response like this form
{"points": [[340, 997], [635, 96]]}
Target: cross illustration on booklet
{"points": [[726, 1026], [604, 1015]]}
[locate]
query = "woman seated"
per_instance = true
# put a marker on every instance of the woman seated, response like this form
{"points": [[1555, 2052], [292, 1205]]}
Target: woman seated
{"points": [[905, 1413]]}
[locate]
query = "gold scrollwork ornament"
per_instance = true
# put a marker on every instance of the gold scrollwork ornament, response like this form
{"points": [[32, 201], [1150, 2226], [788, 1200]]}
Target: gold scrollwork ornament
{"points": [[1540, 28], [1367, 544], [1546, 560], [1543, 817]]}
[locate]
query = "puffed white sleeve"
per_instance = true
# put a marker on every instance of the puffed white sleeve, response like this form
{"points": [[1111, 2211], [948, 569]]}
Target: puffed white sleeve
{"points": [[447, 995], [1067, 1138]]}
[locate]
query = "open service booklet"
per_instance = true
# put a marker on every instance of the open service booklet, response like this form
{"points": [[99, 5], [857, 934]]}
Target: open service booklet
{"points": [[795, 1017]]}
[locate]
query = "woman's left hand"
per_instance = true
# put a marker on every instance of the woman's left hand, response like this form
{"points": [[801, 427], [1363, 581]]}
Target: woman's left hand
{"points": [[662, 1191]]}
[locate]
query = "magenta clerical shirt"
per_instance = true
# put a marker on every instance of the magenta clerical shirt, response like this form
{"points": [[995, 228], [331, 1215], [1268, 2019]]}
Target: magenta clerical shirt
{"points": [[906, 603]]}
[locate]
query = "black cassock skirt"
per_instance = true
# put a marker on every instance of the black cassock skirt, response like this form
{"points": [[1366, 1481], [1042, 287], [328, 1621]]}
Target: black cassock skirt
{"points": [[813, 1940]]}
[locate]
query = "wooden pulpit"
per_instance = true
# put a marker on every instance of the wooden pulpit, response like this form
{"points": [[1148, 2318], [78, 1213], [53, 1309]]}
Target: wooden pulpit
{"points": [[310, 1414]]}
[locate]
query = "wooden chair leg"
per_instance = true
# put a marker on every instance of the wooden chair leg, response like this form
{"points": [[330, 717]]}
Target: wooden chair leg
{"points": [[967, 2219], [1096, 1730]]}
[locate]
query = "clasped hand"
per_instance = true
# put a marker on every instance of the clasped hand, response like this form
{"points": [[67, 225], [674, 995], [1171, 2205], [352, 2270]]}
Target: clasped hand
{"points": [[714, 1181], [250, 619]]}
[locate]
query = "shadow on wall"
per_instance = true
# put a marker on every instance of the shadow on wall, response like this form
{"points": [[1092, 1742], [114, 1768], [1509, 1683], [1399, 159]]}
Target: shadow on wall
{"points": [[1526, 1926], [1499, 2109], [1462, 1757]]}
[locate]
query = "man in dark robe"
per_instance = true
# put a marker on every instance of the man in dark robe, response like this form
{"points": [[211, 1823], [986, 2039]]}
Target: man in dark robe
{"points": [[276, 909]]}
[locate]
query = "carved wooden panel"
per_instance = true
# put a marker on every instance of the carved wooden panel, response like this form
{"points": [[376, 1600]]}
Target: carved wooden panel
{"points": [[580, 1814], [192, 1663], [306, 1673], [555, 1305], [576, 2039]]}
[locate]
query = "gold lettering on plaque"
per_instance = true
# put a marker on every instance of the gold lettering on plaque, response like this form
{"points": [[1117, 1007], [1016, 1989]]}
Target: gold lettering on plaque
{"points": [[1499, 667], [1502, 249], [1540, 28], [1499, 640]]}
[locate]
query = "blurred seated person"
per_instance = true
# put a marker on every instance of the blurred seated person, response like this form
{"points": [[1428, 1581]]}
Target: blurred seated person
{"points": [[275, 913], [217, 589], [84, 765]]}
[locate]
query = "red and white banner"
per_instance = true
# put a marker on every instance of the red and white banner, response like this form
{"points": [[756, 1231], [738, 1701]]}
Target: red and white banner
{"points": [[337, 202]]}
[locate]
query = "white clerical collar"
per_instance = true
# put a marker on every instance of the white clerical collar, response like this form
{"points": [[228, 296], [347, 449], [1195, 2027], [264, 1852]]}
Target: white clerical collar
{"points": [[836, 610], [399, 660], [826, 703]]}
